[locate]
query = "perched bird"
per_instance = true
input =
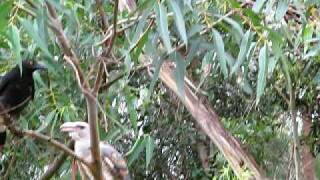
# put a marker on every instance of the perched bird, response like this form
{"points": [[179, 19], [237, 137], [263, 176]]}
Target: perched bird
{"points": [[16, 90], [113, 164]]}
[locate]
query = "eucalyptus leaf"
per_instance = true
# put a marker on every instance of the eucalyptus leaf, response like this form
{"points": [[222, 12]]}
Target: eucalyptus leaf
{"points": [[162, 24], [219, 47], [150, 144], [180, 23], [262, 73], [244, 47]]}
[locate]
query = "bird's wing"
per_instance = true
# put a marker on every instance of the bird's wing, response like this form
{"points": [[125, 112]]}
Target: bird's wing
{"points": [[114, 160], [5, 80]]}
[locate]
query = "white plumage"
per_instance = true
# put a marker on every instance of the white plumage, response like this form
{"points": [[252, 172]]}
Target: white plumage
{"points": [[113, 165]]}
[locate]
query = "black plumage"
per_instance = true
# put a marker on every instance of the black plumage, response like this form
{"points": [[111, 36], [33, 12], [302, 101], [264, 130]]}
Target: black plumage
{"points": [[16, 90]]}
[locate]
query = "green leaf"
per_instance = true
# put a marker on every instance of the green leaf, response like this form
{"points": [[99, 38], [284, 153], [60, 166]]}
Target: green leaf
{"points": [[272, 64], [262, 73], [136, 149], [281, 10], [179, 73], [254, 18], [47, 121], [219, 47], [317, 166], [14, 38], [307, 32], [244, 47], [276, 38], [130, 99], [157, 65], [139, 28], [33, 33], [162, 24], [257, 6], [234, 3], [179, 20], [5, 8], [234, 25], [149, 149]]}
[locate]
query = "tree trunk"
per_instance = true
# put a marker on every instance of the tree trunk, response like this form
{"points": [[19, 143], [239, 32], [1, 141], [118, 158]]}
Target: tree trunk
{"points": [[306, 154]]}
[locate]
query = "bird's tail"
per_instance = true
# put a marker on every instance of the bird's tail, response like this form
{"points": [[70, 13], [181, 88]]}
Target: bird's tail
{"points": [[3, 136]]}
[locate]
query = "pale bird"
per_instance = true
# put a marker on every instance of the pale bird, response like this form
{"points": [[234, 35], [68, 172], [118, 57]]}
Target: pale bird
{"points": [[113, 164]]}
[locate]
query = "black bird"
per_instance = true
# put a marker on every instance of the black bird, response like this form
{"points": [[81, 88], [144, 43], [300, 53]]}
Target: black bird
{"points": [[16, 90]]}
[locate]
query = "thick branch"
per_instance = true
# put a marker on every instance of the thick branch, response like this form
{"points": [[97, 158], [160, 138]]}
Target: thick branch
{"points": [[91, 100], [208, 120]]}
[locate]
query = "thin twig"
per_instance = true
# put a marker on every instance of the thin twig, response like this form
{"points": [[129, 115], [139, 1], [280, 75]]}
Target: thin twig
{"points": [[114, 32], [6, 111], [138, 41], [121, 75]]}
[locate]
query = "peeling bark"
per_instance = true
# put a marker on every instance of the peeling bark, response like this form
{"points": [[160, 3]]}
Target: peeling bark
{"points": [[239, 159]]}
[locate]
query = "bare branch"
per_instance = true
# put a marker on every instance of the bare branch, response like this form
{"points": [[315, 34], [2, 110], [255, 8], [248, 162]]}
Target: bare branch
{"points": [[110, 45], [47, 139]]}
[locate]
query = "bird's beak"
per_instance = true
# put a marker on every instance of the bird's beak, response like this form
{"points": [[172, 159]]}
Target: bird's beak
{"points": [[39, 66], [68, 127]]}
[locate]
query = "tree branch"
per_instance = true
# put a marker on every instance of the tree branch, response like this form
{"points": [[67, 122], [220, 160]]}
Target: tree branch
{"points": [[47, 139], [57, 163], [91, 100], [209, 121], [109, 47], [64, 43]]}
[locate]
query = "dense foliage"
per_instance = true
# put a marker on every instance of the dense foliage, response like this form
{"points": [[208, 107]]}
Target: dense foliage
{"points": [[255, 63]]}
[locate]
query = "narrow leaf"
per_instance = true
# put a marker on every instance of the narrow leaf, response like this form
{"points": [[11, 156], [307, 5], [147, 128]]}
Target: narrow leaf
{"points": [[4, 15], [179, 72], [149, 149], [157, 65], [14, 38], [179, 20], [162, 23], [244, 47], [233, 23], [137, 148], [130, 100], [281, 10], [219, 47], [262, 73], [35, 36]]}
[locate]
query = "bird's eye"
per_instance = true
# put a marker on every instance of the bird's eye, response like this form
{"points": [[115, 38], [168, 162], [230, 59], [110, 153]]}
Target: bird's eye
{"points": [[81, 127]]}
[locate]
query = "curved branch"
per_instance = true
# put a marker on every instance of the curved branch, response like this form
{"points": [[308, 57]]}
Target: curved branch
{"points": [[49, 140]]}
